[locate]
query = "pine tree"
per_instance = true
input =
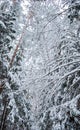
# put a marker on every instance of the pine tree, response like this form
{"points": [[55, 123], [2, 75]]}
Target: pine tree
{"points": [[14, 107]]}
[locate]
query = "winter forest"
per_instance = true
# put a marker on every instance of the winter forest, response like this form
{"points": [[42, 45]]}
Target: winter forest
{"points": [[39, 64]]}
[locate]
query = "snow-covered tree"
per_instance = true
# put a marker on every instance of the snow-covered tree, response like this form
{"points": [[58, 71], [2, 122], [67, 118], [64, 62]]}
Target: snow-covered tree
{"points": [[39, 61]]}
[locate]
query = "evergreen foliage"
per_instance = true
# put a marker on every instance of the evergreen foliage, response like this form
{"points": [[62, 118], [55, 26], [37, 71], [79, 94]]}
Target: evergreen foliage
{"points": [[40, 65]]}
